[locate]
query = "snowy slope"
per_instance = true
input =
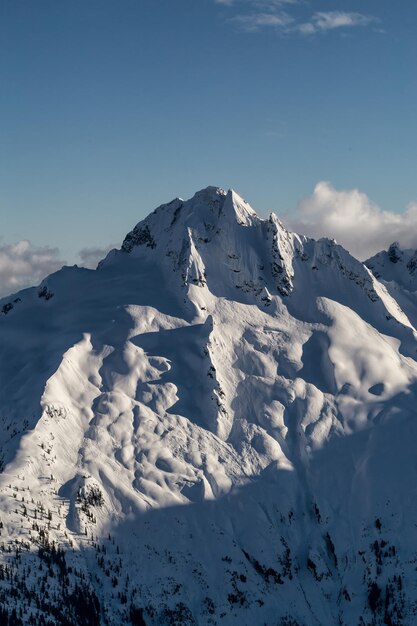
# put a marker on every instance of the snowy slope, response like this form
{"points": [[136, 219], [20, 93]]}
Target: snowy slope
{"points": [[216, 426]]}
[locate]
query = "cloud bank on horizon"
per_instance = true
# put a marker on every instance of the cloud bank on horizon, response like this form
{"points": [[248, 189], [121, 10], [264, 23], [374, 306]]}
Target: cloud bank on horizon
{"points": [[354, 220], [22, 264], [254, 15]]}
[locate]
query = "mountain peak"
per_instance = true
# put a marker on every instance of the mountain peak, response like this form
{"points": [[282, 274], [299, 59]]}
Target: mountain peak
{"points": [[209, 211], [227, 203], [394, 252], [396, 265], [211, 193]]}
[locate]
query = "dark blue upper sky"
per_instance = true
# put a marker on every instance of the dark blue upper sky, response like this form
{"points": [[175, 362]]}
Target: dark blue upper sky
{"points": [[110, 107]]}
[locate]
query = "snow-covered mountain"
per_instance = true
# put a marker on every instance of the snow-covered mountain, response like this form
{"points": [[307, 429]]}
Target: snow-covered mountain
{"points": [[216, 426], [396, 268], [396, 264]]}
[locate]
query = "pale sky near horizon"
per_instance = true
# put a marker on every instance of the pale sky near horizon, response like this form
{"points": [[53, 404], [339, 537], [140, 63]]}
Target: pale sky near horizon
{"points": [[109, 108]]}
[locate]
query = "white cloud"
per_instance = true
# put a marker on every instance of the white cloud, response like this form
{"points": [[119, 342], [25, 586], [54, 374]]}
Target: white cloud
{"points": [[353, 220], [307, 28], [325, 21], [261, 13], [23, 264], [254, 15], [90, 257], [255, 21]]}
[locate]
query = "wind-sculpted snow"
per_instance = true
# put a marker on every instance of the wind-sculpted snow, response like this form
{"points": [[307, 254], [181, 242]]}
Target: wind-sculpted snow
{"points": [[216, 426]]}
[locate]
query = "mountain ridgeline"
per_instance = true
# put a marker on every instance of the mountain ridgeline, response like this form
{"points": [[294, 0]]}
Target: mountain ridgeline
{"points": [[216, 426]]}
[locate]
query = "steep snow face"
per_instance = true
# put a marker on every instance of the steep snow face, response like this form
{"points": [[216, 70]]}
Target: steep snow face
{"points": [[216, 426]]}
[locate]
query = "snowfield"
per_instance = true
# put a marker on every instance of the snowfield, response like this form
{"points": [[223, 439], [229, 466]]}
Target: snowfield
{"points": [[216, 426]]}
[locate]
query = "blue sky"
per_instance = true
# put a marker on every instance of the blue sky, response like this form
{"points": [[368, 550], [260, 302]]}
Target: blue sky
{"points": [[113, 107]]}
